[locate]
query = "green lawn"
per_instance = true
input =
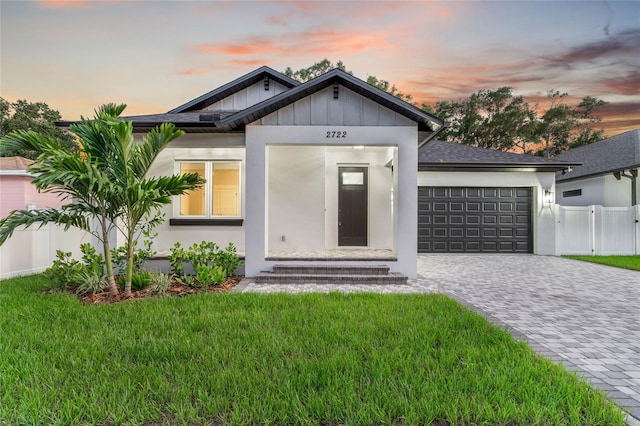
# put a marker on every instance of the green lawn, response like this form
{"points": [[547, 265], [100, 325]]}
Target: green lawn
{"points": [[627, 262], [356, 359]]}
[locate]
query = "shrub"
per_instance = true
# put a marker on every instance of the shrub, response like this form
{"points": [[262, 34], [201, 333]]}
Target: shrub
{"points": [[177, 258], [139, 280], [90, 281], [63, 269], [160, 282]]}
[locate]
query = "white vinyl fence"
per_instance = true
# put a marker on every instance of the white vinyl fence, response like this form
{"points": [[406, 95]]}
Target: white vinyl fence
{"points": [[33, 250], [598, 230]]}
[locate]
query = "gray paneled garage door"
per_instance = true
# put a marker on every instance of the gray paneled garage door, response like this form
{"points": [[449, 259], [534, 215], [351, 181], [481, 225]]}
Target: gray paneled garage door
{"points": [[468, 220]]}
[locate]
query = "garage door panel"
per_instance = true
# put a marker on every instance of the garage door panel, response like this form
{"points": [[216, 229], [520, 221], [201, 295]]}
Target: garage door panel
{"points": [[474, 219]]}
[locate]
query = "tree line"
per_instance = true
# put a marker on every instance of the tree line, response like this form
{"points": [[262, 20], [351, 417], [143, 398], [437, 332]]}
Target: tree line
{"points": [[497, 118]]}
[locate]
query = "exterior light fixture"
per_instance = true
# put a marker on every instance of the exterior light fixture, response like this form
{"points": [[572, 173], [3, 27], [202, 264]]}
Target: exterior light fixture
{"points": [[358, 147], [548, 196]]}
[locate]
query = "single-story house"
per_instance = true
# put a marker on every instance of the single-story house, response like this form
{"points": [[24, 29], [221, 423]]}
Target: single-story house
{"points": [[17, 191], [331, 166], [608, 174]]}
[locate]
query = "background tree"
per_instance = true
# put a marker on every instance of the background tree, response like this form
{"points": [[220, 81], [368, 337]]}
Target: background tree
{"points": [[493, 119], [325, 65], [37, 117], [563, 126]]}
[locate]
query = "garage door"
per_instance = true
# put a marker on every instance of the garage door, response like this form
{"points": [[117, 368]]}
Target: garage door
{"points": [[474, 220]]}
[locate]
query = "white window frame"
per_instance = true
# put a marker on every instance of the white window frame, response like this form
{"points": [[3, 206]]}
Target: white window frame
{"points": [[208, 189]]}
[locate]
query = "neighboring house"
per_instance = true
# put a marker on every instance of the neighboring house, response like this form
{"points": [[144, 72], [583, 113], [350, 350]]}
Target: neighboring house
{"points": [[608, 174], [16, 190], [476, 200], [332, 165]]}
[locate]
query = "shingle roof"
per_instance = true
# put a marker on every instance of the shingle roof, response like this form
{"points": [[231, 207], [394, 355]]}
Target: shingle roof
{"points": [[425, 120], [438, 154], [187, 116], [234, 86], [14, 163], [618, 152]]}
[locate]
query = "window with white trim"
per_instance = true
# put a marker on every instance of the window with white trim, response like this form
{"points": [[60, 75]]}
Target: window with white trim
{"points": [[219, 197]]}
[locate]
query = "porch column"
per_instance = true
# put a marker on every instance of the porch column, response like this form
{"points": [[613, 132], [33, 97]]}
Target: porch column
{"points": [[407, 199], [255, 203]]}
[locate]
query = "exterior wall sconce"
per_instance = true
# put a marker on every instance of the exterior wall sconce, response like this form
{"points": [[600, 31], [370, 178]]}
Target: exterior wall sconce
{"points": [[548, 196]]}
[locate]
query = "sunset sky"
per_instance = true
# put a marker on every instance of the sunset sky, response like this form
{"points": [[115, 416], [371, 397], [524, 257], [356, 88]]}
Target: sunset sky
{"points": [[156, 55]]}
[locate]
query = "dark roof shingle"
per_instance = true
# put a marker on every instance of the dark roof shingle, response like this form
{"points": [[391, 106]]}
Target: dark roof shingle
{"points": [[618, 152], [440, 154]]}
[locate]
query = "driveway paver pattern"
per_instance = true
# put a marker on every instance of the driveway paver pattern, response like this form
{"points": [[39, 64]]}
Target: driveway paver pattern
{"points": [[583, 315]]}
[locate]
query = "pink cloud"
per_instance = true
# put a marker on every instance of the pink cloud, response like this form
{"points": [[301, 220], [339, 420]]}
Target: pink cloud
{"points": [[319, 43], [62, 4], [192, 71]]}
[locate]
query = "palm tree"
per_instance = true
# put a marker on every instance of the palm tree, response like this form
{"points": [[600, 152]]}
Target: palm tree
{"points": [[106, 179], [77, 177], [134, 193]]}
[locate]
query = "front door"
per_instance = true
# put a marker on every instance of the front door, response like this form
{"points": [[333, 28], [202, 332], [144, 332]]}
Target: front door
{"points": [[352, 206]]}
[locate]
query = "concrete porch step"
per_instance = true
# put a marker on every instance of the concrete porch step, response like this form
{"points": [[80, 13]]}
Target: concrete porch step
{"points": [[331, 269], [337, 279]]}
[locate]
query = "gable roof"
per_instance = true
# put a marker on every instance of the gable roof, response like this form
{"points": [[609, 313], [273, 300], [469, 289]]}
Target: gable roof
{"points": [[441, 155], [234, 86], [425, 120], [191, 118], [609, 155]]}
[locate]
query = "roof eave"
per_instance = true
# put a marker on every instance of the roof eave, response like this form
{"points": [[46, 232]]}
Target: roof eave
{"points": [[596, 174], [423, 166]]}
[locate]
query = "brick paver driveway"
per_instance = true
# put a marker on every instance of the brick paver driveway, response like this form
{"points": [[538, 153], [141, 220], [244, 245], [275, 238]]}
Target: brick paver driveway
{"points": [[584, 315]]}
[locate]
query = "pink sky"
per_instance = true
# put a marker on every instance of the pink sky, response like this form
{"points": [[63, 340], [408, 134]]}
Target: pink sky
{"points": [[156, 55]]}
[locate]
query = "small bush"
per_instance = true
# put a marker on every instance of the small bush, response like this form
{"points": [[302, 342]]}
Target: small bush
{"points": [[177, 258], [160, 282], [139, 280], [63, 270], [90, 281]]}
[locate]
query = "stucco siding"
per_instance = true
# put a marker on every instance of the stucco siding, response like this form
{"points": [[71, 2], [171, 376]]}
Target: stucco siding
{"points": [[165, 164], [603, 190]]}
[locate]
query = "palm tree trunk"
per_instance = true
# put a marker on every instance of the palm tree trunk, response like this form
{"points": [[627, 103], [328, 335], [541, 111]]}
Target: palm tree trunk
{"points": [[113, 287], [127, 287]]}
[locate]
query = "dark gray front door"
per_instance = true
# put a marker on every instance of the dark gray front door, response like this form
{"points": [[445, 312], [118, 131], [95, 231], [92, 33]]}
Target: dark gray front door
{"points": [[352, 206], [468, 220]]}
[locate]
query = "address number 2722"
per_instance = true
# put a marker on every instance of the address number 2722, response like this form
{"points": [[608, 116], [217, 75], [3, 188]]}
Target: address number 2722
{"points": [[336, 134]]}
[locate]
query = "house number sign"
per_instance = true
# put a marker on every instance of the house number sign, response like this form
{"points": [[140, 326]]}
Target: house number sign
{"points": [[333, 134]]}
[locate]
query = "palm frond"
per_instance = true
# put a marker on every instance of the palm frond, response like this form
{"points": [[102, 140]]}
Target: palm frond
{"points": [[27, 218]]}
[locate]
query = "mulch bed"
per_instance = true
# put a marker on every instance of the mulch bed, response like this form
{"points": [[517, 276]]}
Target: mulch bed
{"points": [[177, 289]]}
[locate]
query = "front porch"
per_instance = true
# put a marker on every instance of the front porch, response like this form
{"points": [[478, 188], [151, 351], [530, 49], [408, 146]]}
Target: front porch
{"points": [[338, 254]]}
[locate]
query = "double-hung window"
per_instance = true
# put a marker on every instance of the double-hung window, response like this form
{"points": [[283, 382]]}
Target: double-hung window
{"points": [[219, 197]]}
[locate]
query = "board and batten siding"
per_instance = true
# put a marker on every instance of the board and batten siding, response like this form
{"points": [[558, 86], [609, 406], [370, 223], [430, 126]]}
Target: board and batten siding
{"points": [[321, 109], [247, 97]]}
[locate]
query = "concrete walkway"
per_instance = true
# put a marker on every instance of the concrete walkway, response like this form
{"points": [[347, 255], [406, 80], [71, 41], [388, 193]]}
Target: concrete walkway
{"points": [[583, 315]]}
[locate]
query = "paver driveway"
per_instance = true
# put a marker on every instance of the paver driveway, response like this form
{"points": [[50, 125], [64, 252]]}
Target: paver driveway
{"points": [[585, 315]]}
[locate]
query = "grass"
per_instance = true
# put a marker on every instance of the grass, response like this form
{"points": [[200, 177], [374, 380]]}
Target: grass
{"points": [[627, 262], [355, 359]]}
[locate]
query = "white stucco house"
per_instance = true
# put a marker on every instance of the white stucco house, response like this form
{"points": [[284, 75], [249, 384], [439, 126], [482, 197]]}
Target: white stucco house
{"points": [[311, 172], [608, 174]]}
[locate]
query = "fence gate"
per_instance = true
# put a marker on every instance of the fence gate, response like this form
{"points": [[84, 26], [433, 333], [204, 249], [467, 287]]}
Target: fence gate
{"points": [[598, 230]]}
